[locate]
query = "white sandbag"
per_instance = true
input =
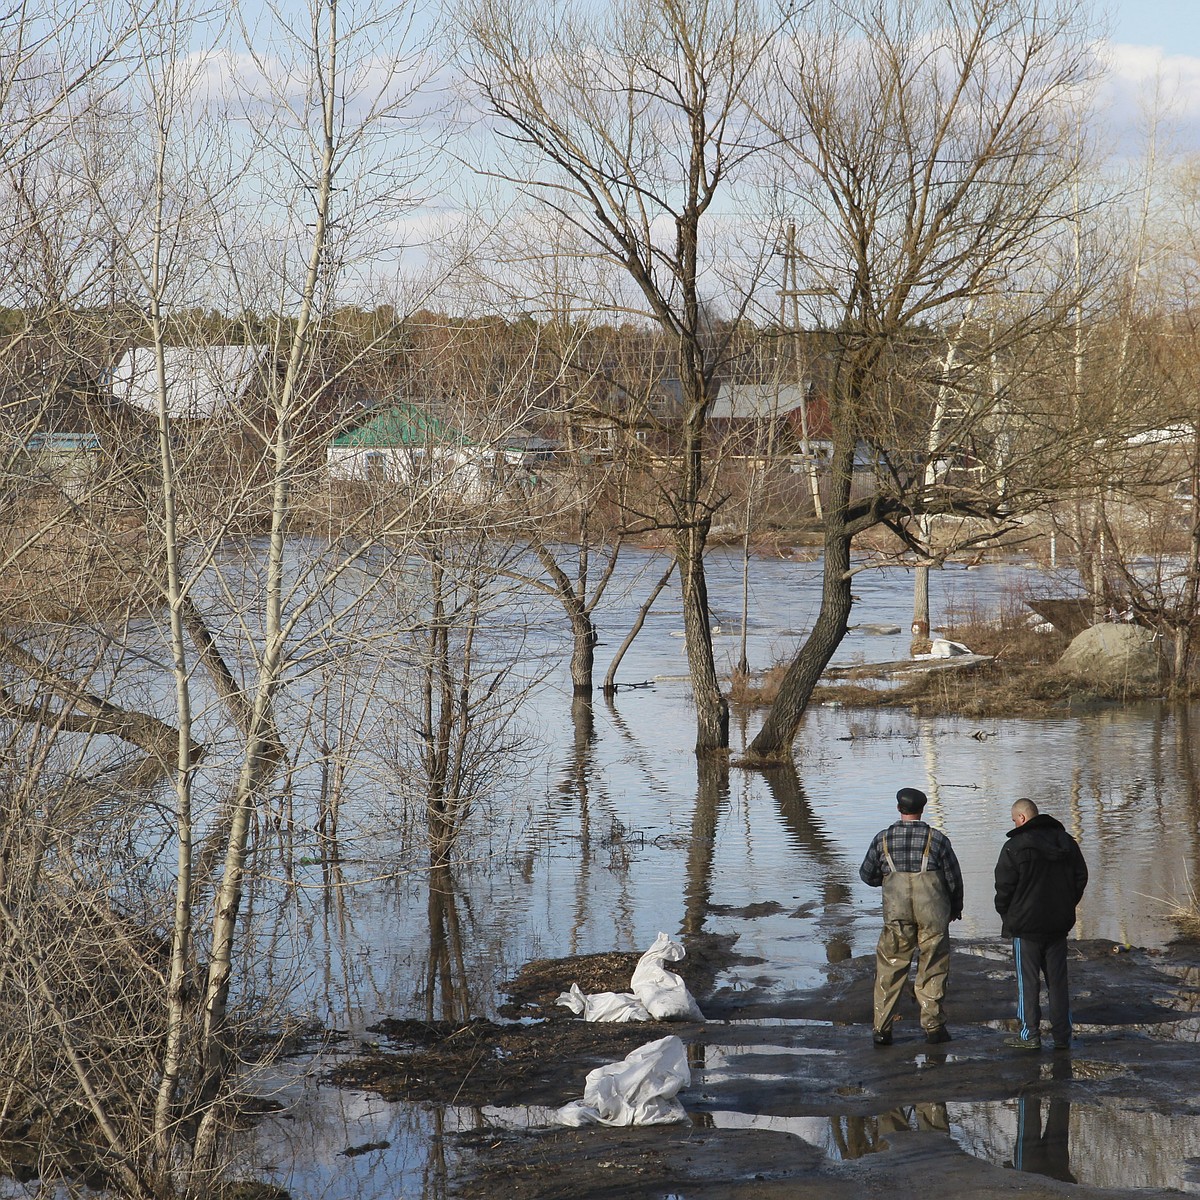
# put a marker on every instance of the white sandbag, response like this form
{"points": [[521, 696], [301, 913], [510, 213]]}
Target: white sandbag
{"points": [[640, 1090], [658, 994], [603, 1006], [664, 994]]}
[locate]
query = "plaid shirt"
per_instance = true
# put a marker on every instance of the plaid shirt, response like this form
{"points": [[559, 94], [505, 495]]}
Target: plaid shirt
{"points": [[906, 844]]}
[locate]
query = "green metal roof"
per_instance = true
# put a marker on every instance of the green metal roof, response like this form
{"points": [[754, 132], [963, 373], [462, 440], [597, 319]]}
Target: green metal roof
{"points": [[403, 425]]}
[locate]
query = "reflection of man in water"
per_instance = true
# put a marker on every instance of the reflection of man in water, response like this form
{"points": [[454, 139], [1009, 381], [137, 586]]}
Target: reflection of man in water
{"points": [[1040, 877], [855, 1136], [930, 1117], [922, 893], [1045, 1151]]}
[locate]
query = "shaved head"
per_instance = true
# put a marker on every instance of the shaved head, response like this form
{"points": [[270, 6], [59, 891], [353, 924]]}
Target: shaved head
{"points": [[1024, 810]]}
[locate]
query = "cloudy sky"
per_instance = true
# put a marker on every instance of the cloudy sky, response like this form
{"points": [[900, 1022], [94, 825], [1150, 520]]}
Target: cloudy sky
{"points": [[1155, 42]]}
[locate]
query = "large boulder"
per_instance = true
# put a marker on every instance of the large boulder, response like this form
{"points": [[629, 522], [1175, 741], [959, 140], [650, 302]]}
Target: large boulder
{"points": [[1114, 655]]}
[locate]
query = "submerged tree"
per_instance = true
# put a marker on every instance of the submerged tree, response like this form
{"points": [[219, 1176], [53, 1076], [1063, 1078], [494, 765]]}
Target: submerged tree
{"points": [[632, 123], [531, 390], [926, 152], [459, 689]]}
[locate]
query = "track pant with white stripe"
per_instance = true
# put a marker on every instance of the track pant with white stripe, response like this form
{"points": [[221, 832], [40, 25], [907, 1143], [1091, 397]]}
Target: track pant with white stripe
{"points": [[1035, 960]]}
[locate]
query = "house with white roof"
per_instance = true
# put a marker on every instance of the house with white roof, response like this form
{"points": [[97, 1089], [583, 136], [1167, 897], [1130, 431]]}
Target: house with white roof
{"points": [[200, 383]]}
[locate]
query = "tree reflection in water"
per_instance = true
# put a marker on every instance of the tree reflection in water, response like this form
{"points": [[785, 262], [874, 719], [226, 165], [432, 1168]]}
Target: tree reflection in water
{"points": [[810, 836], [712, 797], [577, 782]]}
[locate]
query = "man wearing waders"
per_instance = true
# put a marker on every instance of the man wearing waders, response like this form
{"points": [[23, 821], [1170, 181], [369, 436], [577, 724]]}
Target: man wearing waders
{"points": [[922, 893], [1040, 877]]}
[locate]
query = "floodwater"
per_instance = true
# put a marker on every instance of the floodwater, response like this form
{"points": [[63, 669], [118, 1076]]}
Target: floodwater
{"points": [[601, 835]]}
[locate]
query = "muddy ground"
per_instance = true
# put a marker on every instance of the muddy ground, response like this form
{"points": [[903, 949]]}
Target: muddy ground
{"points": [[797, 1054]]}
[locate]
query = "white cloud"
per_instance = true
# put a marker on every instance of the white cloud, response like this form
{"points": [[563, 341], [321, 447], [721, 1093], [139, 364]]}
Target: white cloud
{"points": [[1145, 82]]}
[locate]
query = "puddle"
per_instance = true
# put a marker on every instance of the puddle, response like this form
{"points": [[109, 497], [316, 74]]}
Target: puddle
{"points": [[932, 1058], [506, 1116], [783, 1023], [1094, 1146], [334, 1142], [1185, 1030], [723, 1063], [1000, 952], [1091, 1145], [1088, 1068]]}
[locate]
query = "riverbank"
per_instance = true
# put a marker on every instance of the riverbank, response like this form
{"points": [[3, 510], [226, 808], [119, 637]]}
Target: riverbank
{"points": [[1012, 670]]}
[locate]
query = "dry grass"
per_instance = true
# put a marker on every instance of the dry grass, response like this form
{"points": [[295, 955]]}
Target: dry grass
{"points": [[758, 691], [1184, 911], [1187, 920], [68, 565], [1020, 678], [1008, 631], [991, 689], [539, 983]]}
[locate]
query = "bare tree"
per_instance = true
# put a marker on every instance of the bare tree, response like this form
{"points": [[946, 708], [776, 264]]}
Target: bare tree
{"points": [[459, 690], [505, 382], [633, 122], [1140, 372], [163, 219], [926, 154]]}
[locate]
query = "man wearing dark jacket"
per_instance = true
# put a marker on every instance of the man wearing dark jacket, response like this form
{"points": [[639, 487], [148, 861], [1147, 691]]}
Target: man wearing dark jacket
{"points": [[1040, 877]]}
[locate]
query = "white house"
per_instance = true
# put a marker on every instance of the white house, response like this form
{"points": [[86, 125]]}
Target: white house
{"points": [[406, 444]]}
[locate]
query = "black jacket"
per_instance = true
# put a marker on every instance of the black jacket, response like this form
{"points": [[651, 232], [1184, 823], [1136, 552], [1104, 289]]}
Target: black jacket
{"points": [[1040, 877]]}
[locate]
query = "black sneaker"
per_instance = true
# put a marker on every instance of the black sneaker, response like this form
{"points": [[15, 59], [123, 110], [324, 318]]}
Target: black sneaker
{"points": [[882, 1037], [1020, 1043], [938, 1035]]}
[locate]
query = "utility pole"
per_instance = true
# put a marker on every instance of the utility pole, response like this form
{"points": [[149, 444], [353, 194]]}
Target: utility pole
{"points": [[789, 305], [945, 409]]}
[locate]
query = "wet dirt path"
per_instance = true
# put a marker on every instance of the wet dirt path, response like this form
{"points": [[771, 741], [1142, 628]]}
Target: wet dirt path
{"points": [[790, 1098]]}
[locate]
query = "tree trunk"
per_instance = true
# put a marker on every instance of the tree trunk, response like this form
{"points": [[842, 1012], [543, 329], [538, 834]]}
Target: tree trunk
{"points": [[583, 651], [693, 519], [177, 997], [88, 713], [712, 709], [774, 740], [240, 709], [920, 620], [1183, 631], [261, 738], [572, 595], [610, 679]]}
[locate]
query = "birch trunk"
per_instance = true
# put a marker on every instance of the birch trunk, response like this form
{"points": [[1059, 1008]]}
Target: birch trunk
{"points": [[257, 757]]}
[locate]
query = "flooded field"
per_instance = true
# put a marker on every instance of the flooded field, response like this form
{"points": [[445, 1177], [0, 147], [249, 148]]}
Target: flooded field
{"points": [[602, 834]]}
